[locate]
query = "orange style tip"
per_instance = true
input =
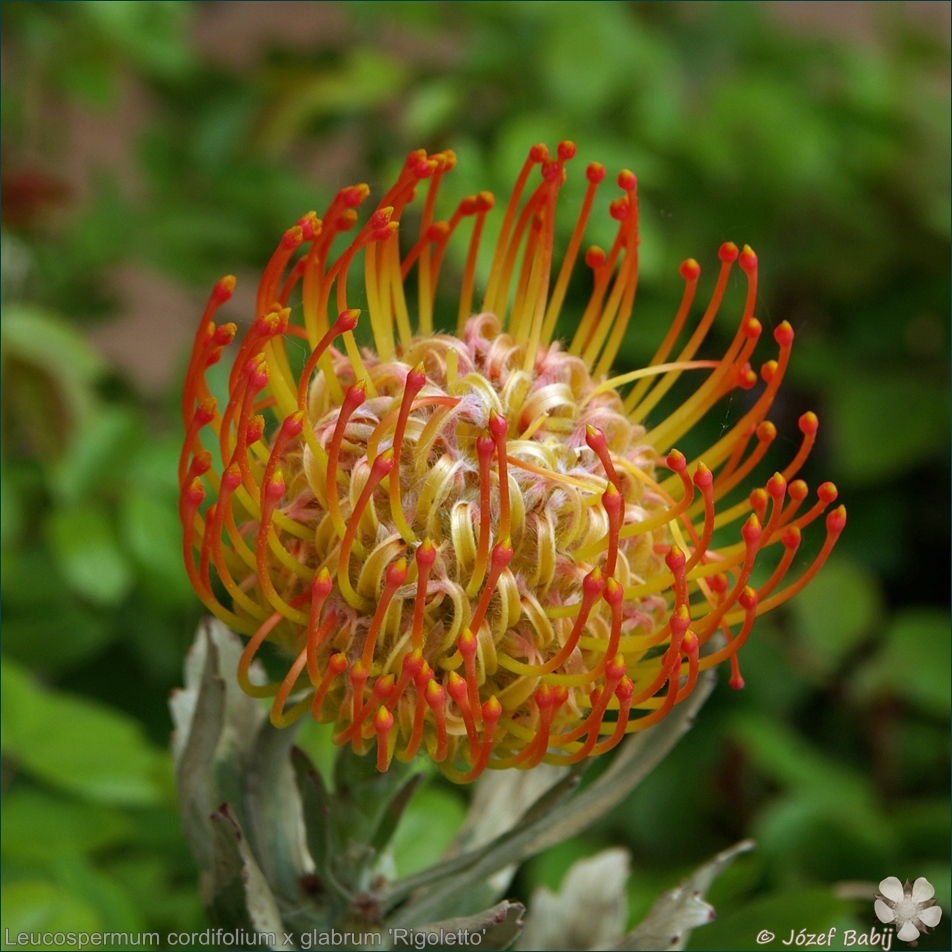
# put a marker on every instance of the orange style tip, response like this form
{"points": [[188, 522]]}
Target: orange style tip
{"points": [[492, 710], [567, 150], [498, 425], [380, 217], [355, 395], [611, 496], [293, 237], [426, 553], [627, 180], [468, 206], [195, 492], [539, 152], [689, 643], [434, 694], [593, 435], [551, 170], [747, 260], [809, 423], [202, 463], [791, 537], [769, 370], [231, 478], [456, 687], [397, 572], [438, 230], [310, 226], [416, 378], [625, 689], [383, 720], [798, 490], [836, 520], [619, 209], [827, 492], [224, 289], [718, 582], [758, 498], [467, 643], [347, 320], [224, 334], [255, 429], [322, 584], [485, 446], [681, 618], [485, 201], [675, 461], [752, 328], [595, 257], [675, 558], [502, 553], [293, 424], [544, 695], [728, 252], [353, 195], [383, 464], [703, 477], [616, 668], [337, 664], [383, 687], [274, 488], [766, 432], [346, 220], [613, 593], [752, 529], [595, 172], [783, 334], [748, 598], [777, 486], [385, 232], [747, 379], [736, 682], [593, 583], [413, 662], [206, 411], [690, 269], [358, 671]]}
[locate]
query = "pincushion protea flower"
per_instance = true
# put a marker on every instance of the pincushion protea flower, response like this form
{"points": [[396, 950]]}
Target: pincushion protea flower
{"points": [[472, 542]]}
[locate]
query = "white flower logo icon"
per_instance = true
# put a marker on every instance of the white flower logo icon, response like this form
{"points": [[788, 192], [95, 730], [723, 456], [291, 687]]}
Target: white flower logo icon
{"points": [[911, 907]]}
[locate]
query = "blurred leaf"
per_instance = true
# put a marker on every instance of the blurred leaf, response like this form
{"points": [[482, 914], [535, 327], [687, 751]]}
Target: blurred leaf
{"points": [[914, 662], [815, 910], [885, 424], [38, 827], [76, 744], [682, 909], [86, 549], [835, 612], [152, 33], [427, 828], [38, 906], [97, 454], [55, 639], [48, 370], [152, 533], [791, 761]]}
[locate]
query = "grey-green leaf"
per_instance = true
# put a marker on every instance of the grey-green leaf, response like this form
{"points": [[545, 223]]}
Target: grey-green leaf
{"points": [[678, 911]]}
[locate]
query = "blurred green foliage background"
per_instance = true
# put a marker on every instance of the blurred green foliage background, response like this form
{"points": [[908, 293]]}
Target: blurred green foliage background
{"points": [[149, 148]]}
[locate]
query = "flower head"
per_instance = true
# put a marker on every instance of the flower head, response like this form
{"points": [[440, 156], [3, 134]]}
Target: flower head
{"points": [[475, 542]]}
